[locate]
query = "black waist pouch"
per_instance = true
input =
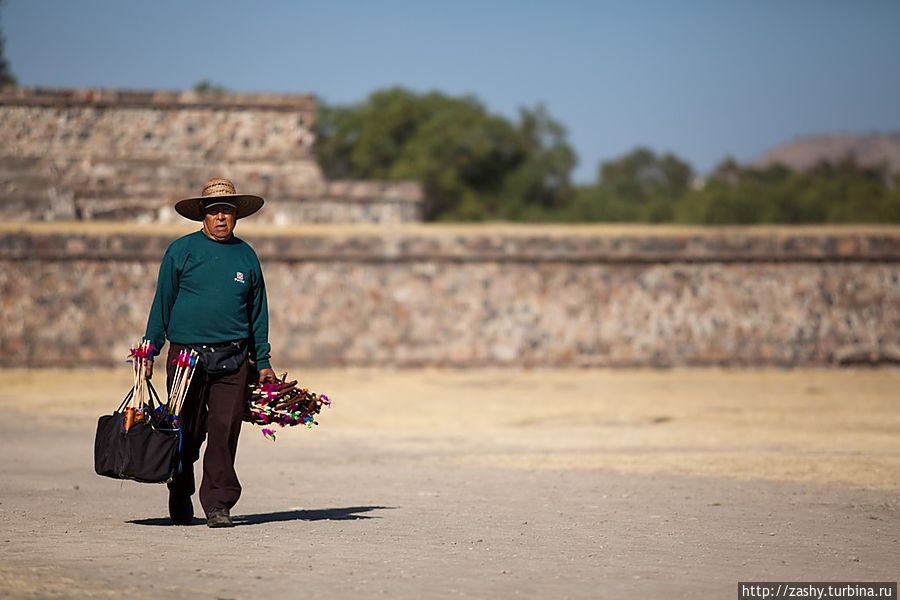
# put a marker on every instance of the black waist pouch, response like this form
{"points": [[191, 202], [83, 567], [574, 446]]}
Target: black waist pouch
{"points": [[217, 360]]}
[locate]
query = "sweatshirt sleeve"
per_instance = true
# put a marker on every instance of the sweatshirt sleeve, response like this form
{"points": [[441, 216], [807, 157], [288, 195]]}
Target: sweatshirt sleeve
{"points": [[259, 323], [163, 301]]}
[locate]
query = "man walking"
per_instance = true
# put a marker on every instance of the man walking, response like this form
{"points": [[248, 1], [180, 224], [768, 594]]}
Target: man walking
{"points": [[211, 297]]}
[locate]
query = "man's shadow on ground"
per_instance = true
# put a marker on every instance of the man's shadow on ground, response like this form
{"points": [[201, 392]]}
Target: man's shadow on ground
{"points": [[349, 513]]}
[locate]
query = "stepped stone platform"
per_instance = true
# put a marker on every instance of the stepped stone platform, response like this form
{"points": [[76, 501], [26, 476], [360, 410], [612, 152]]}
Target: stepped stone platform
{"points": [[129, 155]]}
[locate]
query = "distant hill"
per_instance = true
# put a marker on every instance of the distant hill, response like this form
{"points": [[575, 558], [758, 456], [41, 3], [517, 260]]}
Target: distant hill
{"points": [[868, 149]]}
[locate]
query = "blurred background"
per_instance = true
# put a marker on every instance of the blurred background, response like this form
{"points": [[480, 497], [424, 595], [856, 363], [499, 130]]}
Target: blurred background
{"points": [[696, 112], [396, 126]]}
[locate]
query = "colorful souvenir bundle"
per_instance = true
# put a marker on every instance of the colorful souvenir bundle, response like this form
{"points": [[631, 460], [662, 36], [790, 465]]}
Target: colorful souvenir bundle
{"points": [[185, 365], [282, 404], [138, 405]]}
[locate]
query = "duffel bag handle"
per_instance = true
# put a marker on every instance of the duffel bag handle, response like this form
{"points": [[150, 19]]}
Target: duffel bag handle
{"points": [[152, 398], [127, 399]]}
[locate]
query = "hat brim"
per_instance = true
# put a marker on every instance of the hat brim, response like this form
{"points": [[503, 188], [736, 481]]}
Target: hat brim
{"points": [[192, 208]]}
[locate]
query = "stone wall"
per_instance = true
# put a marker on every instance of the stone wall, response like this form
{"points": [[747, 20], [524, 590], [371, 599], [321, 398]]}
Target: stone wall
{"points": [[126, 155], [481, 296]]}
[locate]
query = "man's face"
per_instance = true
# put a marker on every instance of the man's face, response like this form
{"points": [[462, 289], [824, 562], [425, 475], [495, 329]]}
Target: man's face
{"points": [[218, 222]]}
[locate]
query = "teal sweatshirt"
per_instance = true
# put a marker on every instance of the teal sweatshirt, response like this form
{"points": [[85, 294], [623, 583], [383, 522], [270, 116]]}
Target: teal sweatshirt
{"points": [[210, 292]]}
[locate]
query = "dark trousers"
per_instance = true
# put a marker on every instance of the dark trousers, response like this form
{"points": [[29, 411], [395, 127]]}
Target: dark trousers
{"points": [[213, 407]]}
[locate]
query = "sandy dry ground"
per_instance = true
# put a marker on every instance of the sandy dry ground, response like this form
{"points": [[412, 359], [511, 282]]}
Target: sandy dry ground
{"points": [[435, 484]]}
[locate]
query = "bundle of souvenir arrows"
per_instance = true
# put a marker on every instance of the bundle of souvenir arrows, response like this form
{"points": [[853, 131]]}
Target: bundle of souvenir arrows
{"points": [[136, 409], [185, 365], [282, 404], [140, 406]]}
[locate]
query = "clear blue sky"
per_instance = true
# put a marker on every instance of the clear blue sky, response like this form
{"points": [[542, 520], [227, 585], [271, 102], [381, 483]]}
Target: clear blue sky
{"points": [[703, 79]]}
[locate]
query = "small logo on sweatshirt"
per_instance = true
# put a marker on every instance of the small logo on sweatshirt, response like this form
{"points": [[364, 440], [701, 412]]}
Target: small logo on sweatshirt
{"points": [[239, 277]]}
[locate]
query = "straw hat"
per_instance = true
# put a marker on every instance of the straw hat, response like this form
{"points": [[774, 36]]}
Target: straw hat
{"points": [[218, 191]]}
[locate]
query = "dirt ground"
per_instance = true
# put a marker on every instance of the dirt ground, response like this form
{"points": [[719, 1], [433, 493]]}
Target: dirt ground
{"points": [[484, 483]]}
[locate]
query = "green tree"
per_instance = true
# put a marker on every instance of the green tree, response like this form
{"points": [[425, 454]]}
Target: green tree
{"points": [[640, 186], [206, 86], [540, 187], [641, 175], [6, 76], [738, 196], [472, 165], [842, 192]]}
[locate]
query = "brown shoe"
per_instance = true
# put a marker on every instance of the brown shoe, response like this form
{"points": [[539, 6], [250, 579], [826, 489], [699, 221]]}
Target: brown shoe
{"points": [[219, 517]]}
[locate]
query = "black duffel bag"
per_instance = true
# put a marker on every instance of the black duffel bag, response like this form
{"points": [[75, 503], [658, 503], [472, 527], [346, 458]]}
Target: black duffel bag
{"points": [[147, 452]]}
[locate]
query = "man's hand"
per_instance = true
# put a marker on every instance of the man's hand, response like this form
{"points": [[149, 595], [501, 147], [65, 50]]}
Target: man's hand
{"points": [[148, 368], [267, 376]]}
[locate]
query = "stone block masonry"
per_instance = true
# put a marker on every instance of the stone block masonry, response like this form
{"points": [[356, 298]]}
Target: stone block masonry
{"points": [[483, 295], [129, 155]]}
